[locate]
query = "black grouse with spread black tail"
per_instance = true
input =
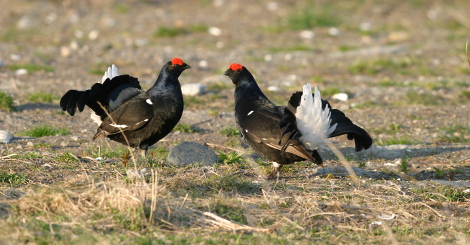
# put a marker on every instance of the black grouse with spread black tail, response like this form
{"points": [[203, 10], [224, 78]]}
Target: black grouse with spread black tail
{"points": [[285, 135], [127, 114]]}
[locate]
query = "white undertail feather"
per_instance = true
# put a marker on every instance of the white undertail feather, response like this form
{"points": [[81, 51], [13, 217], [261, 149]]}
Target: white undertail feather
{"points": [[110, 73], [312, 121]]}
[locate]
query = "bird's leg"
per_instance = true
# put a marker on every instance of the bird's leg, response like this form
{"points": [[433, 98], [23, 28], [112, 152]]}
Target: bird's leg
{"points": [[275, 173]]}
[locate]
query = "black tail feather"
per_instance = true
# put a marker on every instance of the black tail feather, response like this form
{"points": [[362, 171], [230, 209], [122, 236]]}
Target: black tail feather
{"points": [[344, 124], [74, 99]]}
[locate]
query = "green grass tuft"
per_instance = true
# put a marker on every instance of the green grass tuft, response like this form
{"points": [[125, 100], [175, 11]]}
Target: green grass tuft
{"points": [[12, 179], [31, 67], [45, 130], [6, 102], [41, 97], [185, 128], [230, 158], [230, 132], [169, 31]]}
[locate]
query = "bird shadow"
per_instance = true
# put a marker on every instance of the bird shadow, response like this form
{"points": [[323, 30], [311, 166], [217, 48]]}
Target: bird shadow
{"points": [[35, 106]]}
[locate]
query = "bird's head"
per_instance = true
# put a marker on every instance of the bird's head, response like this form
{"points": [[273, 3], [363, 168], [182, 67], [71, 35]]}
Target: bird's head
{"points": [[177, 66], [235, 72]]}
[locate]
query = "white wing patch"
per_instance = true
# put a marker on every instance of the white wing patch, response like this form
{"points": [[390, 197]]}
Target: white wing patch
{"points": [[312, 121], [119, 126], [249, 113], [149, 101], [95, 118]]}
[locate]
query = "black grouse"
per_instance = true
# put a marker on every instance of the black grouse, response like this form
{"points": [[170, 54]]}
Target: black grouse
{"points": [[127, 114], [285, 135]]}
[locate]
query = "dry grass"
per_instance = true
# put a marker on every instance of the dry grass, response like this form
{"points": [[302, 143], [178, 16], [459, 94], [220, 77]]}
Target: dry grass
{"points": [[185, 208]]}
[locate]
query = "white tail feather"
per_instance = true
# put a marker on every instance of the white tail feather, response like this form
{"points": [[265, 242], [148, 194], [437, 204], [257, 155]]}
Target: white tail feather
{"points": [[312, 120], [110, 73]]}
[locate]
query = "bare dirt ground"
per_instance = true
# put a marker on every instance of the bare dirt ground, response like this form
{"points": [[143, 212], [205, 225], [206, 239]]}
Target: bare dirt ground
{"points": [[402, 64]]}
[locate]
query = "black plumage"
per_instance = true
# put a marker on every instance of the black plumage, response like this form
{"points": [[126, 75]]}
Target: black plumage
{"points": [[272, 130], [126, 113]]}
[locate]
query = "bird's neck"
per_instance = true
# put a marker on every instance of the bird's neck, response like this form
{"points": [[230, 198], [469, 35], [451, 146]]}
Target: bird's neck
{"points": [[248, 90], [166, 84]]}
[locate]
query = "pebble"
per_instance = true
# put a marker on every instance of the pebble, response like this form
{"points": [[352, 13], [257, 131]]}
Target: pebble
{"points": [[63, 144], [215, 31], [306, 34], [93, 35], [15, 57], [190, 152], [21, 71], [340, 96], [24, 22], [29, 144], [334, 31], [193, 89], [65, 51], [274, 88], [203, 63], [5, 136], [272, 6]]}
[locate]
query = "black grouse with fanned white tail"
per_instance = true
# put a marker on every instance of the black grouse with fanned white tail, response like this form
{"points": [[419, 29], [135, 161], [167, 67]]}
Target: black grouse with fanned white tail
{"points": [[127, 114], [285, 135]]}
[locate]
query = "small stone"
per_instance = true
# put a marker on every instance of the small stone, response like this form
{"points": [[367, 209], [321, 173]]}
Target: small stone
{"points": [[78, 33], [189, 152], [24, 22], [74, 45], [307, 34], [74, 138], [215, 31], [5, 136], [21, 71], [193, 89], [51, 18], [398, 36], [65, 51], [274, 88], [365, 26], [268, 57], [334, 31], [63, 144], [29, 144], [15, 57], [203, 63], [272, 6], [340, 96], [93, 35]]}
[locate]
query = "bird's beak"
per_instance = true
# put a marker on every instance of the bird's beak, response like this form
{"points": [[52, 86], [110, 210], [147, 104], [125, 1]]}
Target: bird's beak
{"points": [[186, 66]]}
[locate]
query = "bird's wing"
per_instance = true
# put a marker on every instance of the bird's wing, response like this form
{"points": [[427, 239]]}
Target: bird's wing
{"points": [[130, 116], [262, 126]]}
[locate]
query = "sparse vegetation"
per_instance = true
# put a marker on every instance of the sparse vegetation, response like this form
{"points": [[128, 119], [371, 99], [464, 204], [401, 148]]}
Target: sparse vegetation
{"points": [[6, 102], [310, 16], [12, 179], [31, 67], [403, 140], [41, 97], [185, 128], [230, 132], [45, 130]]}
